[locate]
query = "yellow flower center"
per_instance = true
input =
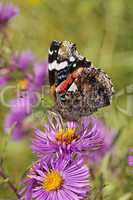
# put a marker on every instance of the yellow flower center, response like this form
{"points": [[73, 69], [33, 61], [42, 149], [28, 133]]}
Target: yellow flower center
{"points": [[53, 181], [66, 135], [23, 84]]}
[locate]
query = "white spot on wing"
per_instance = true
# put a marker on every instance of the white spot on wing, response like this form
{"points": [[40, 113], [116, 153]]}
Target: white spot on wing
{"points": [[72, 59], [57, 66], [73, 87], [50, 52], [52, 66]]}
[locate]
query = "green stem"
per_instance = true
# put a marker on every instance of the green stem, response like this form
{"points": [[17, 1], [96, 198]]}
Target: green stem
{"points": [[11, 185]]}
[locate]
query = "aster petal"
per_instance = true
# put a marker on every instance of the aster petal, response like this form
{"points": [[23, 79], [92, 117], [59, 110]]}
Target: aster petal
{"points": [[40, 71], [130, 160]]}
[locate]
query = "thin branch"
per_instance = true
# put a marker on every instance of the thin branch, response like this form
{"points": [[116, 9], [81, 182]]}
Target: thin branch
{"points": [[11, 185]]}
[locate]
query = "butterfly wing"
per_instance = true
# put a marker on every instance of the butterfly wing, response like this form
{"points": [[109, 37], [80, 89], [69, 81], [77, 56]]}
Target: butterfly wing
{"points": [[94, 90]]}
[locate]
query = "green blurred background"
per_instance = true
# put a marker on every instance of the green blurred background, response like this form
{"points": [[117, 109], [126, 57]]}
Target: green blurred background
{"points": [[103, 32]]}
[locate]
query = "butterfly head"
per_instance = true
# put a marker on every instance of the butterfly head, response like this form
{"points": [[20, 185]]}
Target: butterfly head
{"points": [[64, 52]]}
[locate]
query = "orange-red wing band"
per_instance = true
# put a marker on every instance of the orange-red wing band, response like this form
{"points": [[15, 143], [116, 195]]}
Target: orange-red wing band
{"points": [[66, 83]]}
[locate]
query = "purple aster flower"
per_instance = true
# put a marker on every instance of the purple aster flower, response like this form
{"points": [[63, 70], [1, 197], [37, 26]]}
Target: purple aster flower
{"points": [[19, 131], [20, 109], [32, 72], [31, 75], [6, 13], [23, 63], [40, 72], [130, 159], [56, 180], [108, 136], [3, 80], [23, 60], [64, 139]]}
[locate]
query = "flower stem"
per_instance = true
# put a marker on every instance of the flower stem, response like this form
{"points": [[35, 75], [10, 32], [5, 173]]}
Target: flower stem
{"points": [[11, 185]]}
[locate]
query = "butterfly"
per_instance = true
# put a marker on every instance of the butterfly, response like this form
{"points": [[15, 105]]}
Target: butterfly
{"points": [[79, 88]]}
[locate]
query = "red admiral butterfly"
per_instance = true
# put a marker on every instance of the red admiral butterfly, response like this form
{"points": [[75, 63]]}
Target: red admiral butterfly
{"points": [[78, 88]]}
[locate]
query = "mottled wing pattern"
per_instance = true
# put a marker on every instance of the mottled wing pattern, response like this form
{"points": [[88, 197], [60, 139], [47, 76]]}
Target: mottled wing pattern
{"points": [[94, 90]]}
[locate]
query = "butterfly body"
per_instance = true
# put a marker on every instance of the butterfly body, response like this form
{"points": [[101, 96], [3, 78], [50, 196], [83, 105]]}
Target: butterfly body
{"points": [[78, 87]]}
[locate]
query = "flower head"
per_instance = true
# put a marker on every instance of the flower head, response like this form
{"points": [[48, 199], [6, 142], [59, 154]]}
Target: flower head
{"points": [[40, 72], [130, 159], [33, 75], [22, 64], [20, 109], [65, 139], [3, 80], [6, 13], [22, 60], [57, 179]]}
